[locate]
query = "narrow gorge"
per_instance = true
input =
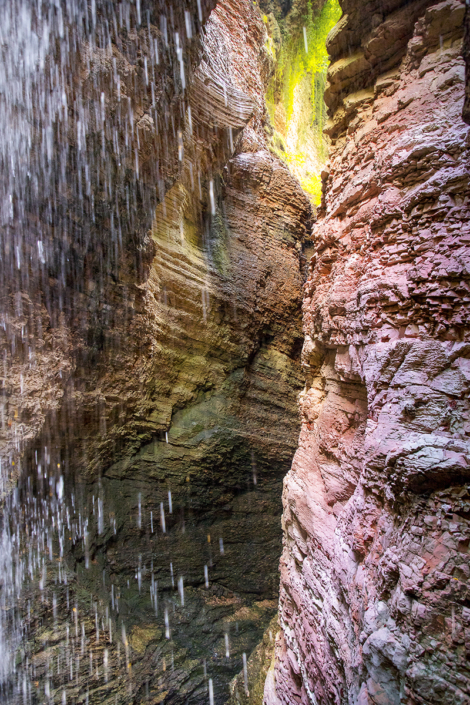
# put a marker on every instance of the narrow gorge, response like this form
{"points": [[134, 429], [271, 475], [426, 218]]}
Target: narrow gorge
{"points": [[235, 267]]}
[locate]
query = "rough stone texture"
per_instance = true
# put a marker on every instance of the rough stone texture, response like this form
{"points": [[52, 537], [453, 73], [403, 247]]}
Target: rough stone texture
{"points": [[198, 395], [35, 367], [223, 288], [183, 370], [374, 603], [249, 686], [76, 245], [138, 338], [466, 54]]}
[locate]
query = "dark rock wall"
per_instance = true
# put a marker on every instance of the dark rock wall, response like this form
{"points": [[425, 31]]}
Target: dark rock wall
{"points": [[374, 585]]}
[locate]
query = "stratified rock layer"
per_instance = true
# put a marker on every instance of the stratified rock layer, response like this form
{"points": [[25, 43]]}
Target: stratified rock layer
{"points": [[176, 417], [375, 594], [76, 244]]}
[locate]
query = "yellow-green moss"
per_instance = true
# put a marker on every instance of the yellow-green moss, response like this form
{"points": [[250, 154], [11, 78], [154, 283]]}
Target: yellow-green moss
{"points": [[312, 186], [295, 65], [295, 62]]}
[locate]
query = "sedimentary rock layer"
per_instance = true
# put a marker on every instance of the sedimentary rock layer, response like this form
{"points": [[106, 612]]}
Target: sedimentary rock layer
{"points": [[181, 368], [466, 54], [81, 184], [374, 601]]}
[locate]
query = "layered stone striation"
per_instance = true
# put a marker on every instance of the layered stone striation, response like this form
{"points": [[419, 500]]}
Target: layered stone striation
{"points": [[83, 184], [176, 390], [374, 605]]}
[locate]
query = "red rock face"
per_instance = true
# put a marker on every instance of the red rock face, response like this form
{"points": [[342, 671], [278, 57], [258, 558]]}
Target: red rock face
{"points": [[466, 54], [375, 594]]}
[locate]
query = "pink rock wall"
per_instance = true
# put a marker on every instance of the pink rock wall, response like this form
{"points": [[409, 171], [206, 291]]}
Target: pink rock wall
{"points": [[375, 598]]}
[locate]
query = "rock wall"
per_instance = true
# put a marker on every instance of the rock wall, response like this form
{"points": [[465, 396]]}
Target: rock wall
{"points": [[174, 414], [81, 183], [139, 308], [374, 604], [466, 54], [197, 395]]}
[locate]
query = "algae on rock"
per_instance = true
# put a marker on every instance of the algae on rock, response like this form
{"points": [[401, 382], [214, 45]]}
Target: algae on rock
{"points": [[295, 95]]}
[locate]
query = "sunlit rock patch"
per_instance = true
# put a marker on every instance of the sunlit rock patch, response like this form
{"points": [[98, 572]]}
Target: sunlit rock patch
{"points": [[296, 43]]}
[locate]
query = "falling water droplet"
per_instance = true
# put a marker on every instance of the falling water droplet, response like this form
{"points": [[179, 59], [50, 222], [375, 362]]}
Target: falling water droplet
{"points": [[187, 19], [211, 692], [181, 590], [60, 489], [245, 676], [212, 197], [167, 624]]}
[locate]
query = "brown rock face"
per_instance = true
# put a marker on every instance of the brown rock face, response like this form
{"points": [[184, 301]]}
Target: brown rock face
{"points": [[375, 576], [165, 385], [75, 238]]}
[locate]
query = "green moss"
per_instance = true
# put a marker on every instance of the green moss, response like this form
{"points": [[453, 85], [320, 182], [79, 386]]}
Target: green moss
{"points": [[301, 67], [270, 47], [312, 186], [296, 62]]}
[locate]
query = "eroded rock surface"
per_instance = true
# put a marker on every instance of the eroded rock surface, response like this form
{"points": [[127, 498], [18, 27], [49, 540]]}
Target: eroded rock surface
{"points": [[175, 418], [83, 174], [374, 589]]}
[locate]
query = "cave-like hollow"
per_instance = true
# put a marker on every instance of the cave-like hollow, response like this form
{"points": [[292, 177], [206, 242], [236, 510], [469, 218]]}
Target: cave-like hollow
{"points": [[235, 276]]}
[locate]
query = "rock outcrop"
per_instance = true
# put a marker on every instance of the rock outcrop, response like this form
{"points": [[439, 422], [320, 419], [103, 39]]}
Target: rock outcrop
{"points": [[172, 332], [83, 173], [374, 603]]}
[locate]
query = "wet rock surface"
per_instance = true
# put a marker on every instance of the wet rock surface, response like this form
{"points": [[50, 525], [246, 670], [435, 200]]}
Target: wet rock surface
{"points": [[249, 686], [162, 655], [164, 383], [374, 572], [82, 180]]}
